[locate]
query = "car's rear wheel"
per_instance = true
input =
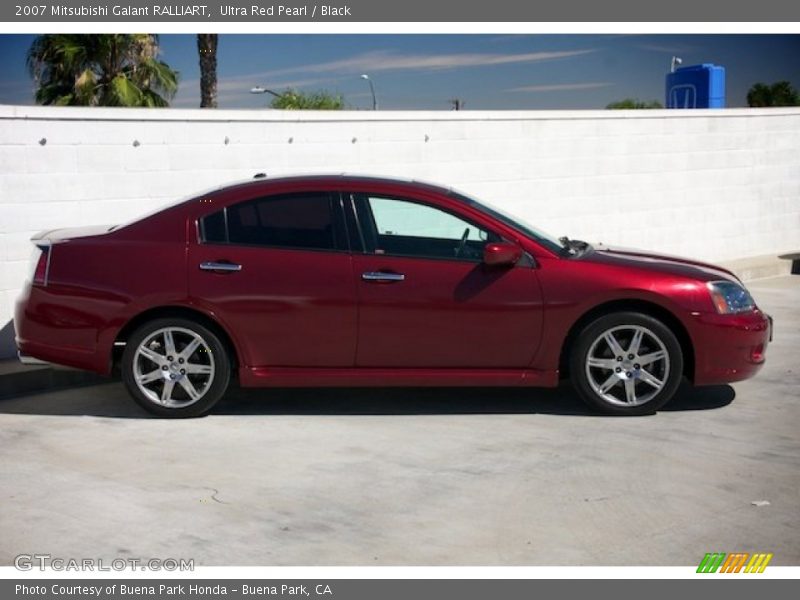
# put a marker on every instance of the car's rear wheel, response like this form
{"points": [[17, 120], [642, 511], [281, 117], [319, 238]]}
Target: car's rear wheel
{"points": [[175, 367], [626, 363]]}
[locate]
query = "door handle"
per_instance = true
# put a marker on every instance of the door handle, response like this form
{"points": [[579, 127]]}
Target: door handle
{"points": [[220, 266], [382, 277]]}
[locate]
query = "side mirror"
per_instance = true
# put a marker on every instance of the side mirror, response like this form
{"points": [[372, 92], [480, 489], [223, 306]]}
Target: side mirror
{"points": [[501, 254]]}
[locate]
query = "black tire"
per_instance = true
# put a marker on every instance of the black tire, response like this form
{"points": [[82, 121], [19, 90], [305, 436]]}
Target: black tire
{"points": [[619, 376], [210, 355]]}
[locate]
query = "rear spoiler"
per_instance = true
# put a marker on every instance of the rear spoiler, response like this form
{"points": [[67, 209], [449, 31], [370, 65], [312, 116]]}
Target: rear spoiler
{"points": [[59, 235]]}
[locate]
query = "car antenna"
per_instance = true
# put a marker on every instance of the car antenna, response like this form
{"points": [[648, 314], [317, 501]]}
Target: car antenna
{"points": [[259, 176]]}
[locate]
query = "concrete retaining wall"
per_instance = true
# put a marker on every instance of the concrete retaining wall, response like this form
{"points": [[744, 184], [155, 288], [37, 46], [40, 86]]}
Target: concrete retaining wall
{"points": [[716, 185]]}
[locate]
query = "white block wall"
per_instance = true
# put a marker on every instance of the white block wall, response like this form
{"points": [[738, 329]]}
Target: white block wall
{"points": [[711, 184]]}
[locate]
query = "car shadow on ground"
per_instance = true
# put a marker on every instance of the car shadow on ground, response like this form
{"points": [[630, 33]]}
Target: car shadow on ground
{"points": [[111, 400]]}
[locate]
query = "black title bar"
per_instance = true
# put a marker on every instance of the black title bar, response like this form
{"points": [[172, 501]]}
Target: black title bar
{"points": [[402, 11], [389, 589]]}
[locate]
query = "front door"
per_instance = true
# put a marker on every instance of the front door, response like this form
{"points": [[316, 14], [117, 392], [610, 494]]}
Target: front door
{"points": [[427, 300]]}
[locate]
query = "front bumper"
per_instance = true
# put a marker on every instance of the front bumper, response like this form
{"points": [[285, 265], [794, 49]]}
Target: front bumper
{"points": [[730, 348]]}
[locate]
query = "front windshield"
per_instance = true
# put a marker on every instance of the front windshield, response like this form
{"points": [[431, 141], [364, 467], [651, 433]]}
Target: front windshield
{"points": [[543, 238]]}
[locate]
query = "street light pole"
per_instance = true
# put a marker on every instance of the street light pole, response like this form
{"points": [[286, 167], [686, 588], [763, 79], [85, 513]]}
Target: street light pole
{"points": [[372, 89], [262, 90]]}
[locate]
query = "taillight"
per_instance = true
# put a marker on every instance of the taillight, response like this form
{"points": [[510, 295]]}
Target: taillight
{"points": [[42, 263]]}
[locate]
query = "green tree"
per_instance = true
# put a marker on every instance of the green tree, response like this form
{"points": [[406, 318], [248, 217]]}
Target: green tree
{"points": [[207, 49], [100, 70], [780, 93], [629, 103], [297, 100]]}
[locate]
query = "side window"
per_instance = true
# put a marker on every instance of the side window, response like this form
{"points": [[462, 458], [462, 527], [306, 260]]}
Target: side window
{"points": [[288, 221], [406, 228]]}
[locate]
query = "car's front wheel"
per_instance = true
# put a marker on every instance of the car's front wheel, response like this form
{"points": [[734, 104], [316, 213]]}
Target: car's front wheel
{"points": [[626, 363], [175, 367]]}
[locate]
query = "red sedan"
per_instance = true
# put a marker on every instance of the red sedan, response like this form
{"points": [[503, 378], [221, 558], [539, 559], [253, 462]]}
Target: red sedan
{"points": [[353, 281]]}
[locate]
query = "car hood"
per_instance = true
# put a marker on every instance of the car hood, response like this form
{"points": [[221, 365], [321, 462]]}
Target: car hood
{"points": [[663, 263]]}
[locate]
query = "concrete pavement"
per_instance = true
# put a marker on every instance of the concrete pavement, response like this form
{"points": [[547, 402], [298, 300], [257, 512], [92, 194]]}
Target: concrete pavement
{"points": [[413, 477]]}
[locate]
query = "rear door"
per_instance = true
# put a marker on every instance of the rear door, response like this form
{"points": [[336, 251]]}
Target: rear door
{"points": [[277, 271], [427, 300]]}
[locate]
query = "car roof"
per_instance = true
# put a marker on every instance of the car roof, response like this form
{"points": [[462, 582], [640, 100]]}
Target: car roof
{"points": [[260, 180], [337, 179]]}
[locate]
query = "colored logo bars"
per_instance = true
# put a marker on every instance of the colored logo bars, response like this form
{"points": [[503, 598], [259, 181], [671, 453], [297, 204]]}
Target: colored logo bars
{"points": [[734, 563]]}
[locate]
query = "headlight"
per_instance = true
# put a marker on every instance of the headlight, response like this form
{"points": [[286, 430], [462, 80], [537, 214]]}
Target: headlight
{"points": [[729, 297]]}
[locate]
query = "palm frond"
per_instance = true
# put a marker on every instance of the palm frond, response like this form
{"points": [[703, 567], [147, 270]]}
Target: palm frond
{"points": [[122, 92], [100, 69]]}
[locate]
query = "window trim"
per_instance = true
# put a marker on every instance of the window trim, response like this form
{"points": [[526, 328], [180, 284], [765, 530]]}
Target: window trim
{"points": [[351, 214]]}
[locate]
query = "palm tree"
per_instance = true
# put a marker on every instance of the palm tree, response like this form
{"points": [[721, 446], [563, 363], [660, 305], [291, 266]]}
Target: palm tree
{"points": [[100, 70], [207, 49]]}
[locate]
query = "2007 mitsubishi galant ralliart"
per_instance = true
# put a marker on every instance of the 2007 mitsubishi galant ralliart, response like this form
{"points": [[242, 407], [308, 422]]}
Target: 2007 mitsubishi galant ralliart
{"points": [[354, 281]]}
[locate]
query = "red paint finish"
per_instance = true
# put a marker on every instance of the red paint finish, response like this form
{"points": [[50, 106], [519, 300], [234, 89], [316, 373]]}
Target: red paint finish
{"points": [[501, 254], [305, 299], [731, 347], [447, 313], [301, 316]]}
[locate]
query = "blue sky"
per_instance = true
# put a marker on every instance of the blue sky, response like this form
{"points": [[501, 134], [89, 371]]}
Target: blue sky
{"points": [[424, 71]]}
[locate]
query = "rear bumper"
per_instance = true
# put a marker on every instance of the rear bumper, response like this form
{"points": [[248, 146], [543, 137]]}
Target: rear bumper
{"points": [[45, 333], [730, 348], [33, 353], [30, 360]]}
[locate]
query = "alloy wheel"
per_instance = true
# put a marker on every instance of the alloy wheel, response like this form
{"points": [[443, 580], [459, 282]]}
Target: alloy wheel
{"points": [[174, 367], [627, 365]]}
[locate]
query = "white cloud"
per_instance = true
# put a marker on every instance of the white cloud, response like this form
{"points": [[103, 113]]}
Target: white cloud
{"points": [[328, 73], [560, 87], [385, 61], [666, 49]]}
